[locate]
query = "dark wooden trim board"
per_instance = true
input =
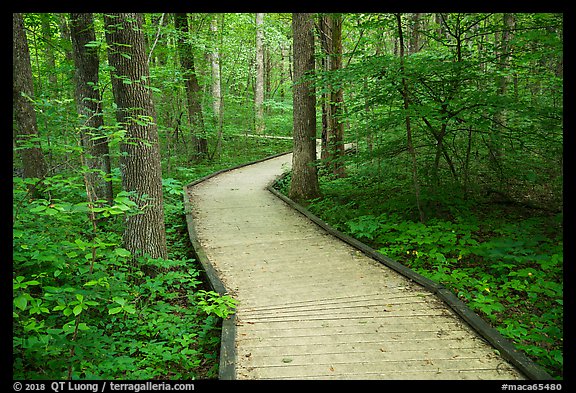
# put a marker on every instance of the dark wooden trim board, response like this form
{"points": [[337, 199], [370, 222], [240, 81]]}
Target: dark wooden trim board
{"points": [[227, 369], [227, 350], [499, 342]]}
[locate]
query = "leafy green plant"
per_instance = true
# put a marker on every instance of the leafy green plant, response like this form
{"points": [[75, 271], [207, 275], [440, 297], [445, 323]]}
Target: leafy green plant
{"points": [[507, 268], [213, 303], [90, 313]]}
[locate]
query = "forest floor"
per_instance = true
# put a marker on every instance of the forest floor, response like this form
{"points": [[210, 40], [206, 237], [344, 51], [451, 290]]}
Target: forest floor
{"points": [[311, 306]]}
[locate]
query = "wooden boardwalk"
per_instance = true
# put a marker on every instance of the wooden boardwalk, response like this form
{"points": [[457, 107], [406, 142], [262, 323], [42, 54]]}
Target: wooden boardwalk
{"points": [[312, 306]]}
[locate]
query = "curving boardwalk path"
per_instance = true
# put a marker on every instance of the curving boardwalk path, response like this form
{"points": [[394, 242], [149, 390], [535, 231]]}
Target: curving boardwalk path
{"points": [[313, 307]]}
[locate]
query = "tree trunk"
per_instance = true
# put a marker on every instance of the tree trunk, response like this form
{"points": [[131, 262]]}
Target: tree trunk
{"points": [[324, 31], [88, 104], [26, 130], [414, 33], [193, 91], [408, 125], [282, 73], [215, 64], [144, 234], [330, 31], [304, 185], [216, 84], [336, 136], [259, 88], [48, 52], [502, 83]]}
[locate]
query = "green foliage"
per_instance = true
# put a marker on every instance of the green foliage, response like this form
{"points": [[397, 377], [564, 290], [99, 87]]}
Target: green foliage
{"points": [[82, 308], [82, 305], [506, 265]]}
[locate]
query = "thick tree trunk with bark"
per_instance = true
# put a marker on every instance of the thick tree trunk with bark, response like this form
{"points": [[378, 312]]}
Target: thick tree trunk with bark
{"points": [[140, 161], [193, 90], [26, 130], [88, 104], [304, 184]]}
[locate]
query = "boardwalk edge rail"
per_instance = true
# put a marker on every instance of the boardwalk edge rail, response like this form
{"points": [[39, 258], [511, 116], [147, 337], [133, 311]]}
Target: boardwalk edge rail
{"points": [[227, 370], [506, 348]]}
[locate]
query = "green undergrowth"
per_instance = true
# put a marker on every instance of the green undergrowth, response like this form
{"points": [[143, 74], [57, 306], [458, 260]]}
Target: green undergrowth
{"points": [[82, 310], [504, 262]]}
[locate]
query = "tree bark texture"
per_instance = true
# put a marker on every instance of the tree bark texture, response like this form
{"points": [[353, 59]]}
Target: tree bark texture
{"points": [[49, 52], [215, 65], [193, 90], [259, 87], [415, 21], [324, 31], [140, 161], [88, 104], [502, 83], [406, 100], [336, 136], [332, 100], [34, 165], [304, 184]]}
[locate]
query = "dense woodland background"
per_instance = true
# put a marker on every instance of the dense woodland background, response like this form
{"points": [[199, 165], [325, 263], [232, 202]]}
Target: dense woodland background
{"points": [[457, 168]]}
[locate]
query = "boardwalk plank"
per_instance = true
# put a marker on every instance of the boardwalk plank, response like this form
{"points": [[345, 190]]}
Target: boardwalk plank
{"points": [[312, 306]]}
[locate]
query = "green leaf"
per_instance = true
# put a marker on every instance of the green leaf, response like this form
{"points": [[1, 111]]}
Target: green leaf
{"points": [[38, 209], [93, 44], [122, 252], [129, 309], [21, 302], [114, 310], [77, 310], [69, 327]]}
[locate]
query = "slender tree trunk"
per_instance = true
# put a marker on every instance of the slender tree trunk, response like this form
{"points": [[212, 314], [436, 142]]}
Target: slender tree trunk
{"points": [[88, 104], [144, 234], [466, 174], [324, 31], [49, 52], [26, 130], [502, 83], [193, 91], [415, 21], [259, 87], [304, 185], [282, 72], [336, 142], [215, 66], [408, 125], [64, 28], [330, 31], [268, 93], [216, 84]]}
